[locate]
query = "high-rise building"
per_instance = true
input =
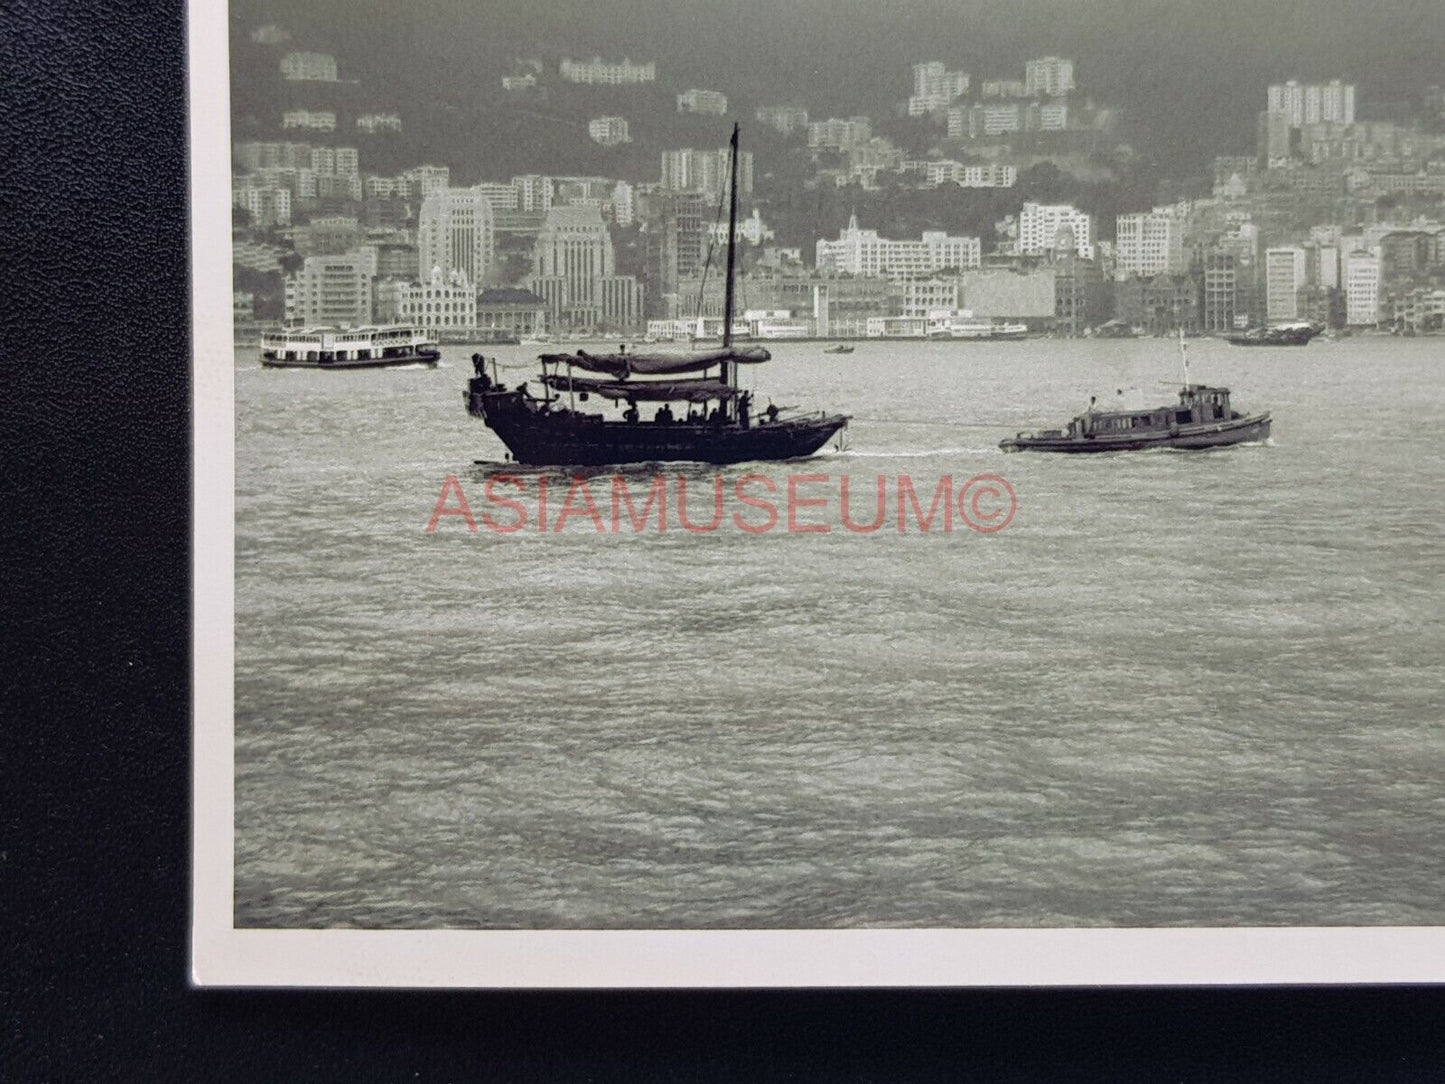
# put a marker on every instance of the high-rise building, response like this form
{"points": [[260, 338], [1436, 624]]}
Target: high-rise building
{"points": [[839, 135], [934, 87], [454, 233], [692, 170], [863, 252], [423, 182], [332, 291], [318, 120], [1284, 275], [711, 102], [1047, 228], [609, 131], [534, 193], [309, 67], [1310, 103], [1362, 288], [1273, 141], [574, 273], [1221, 286], [598, 70], [1049, 76], [1149, 243], [676, 245], [785, 119]]}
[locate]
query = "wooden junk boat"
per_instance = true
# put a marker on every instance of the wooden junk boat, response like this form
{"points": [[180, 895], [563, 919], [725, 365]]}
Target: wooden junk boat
{"points": [[551, 430], [1202, 418]]}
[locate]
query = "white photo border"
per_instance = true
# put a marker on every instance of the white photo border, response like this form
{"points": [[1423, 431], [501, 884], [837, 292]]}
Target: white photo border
{"points": [[222, 955]]}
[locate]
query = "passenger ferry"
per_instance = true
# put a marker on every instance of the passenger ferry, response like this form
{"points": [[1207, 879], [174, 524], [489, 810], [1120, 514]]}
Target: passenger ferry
{"points": [[350, 348]]}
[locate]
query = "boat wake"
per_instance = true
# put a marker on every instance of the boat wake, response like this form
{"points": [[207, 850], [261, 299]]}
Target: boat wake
{"points": [[929, 454]]}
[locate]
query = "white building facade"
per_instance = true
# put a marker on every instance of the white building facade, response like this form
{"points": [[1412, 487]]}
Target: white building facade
{"points": [[1042, 227], [616, 73], [710, 102], [454, 233], [863, 252], [1149, 243], [309, 67], [1284, 274], [608, 131], [1049, 76]]}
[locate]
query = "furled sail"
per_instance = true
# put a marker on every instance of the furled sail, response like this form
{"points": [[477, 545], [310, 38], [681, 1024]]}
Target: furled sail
{"points": [[644, 391], [623, 365]]}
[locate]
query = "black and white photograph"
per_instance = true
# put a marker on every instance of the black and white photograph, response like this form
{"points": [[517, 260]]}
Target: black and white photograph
{"points": [[818, 493]]}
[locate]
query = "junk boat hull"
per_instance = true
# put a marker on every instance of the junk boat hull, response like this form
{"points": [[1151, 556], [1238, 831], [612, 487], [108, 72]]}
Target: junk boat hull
{"points": [[1244, 430], [539, 435]]}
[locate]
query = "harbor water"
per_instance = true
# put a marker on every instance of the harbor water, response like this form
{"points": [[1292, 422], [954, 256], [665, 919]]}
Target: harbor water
{"points": [[1177, 689]]}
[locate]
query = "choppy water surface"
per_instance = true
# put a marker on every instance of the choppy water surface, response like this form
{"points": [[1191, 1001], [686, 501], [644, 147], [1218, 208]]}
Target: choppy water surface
{"points": [[1178, 689]]}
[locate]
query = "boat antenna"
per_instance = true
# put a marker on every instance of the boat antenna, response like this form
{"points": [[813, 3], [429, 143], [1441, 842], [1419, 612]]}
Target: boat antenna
{"points": [[729, 374], [1184, 357]]}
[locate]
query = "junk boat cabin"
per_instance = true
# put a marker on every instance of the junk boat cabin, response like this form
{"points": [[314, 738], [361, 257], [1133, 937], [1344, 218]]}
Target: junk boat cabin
{"points": [[353, 348], [1201, 419]]}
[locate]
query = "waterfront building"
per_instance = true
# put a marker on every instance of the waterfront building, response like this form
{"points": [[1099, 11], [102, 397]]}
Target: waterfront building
{"points": [[1048, 76], [1047, 228], [863, 252], [441, 303], [309, 67], [455, 233], [1008, 294], [510, 311], [1149, 243], [608, 131], [1161, 304], [574, 273], [1083, 297], [1284, 276], [710, 102], [676, 245], [1362, 288], [597, 70], [332, 291], [784, 119], [320, 120]]}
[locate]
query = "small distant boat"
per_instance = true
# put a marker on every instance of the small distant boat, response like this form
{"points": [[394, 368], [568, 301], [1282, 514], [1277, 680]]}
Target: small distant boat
{"points": [[348, 348], [1117, 329], [840, 348], [1202, 418], [1297, 334]]}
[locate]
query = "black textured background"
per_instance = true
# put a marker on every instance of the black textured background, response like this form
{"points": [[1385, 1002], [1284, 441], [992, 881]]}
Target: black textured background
{"points": [[94, 693]]}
